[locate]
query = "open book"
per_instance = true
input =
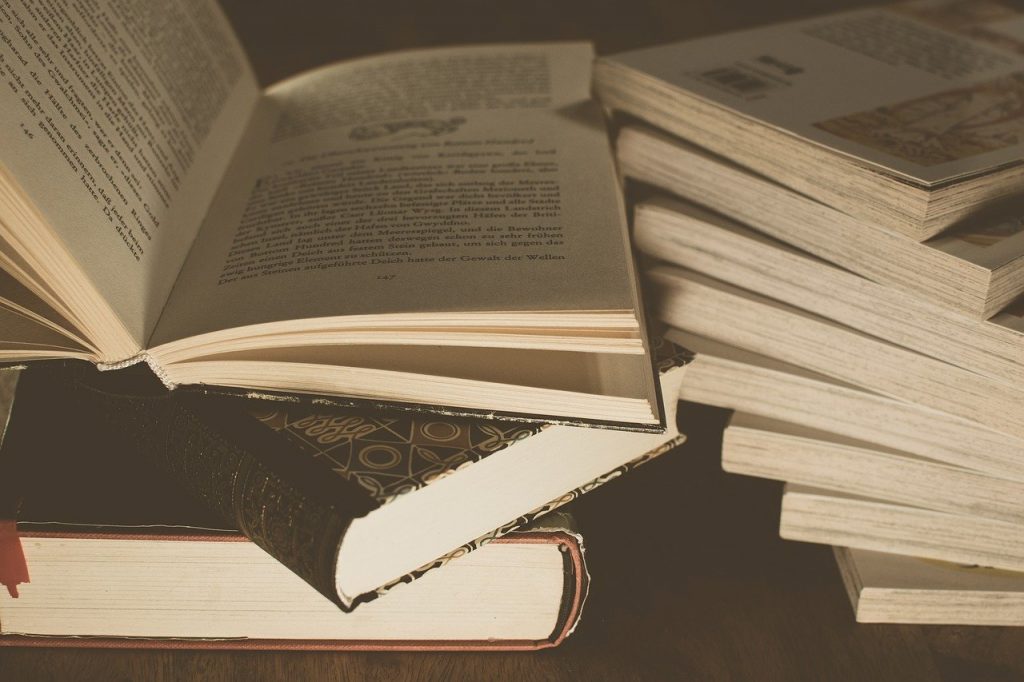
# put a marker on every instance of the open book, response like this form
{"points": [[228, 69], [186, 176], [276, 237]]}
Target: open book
{"points": [[439, 227]]}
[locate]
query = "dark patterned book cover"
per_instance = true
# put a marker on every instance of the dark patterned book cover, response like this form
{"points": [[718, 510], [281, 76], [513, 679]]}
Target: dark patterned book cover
{"points": [[293, 479], [389, 454]]}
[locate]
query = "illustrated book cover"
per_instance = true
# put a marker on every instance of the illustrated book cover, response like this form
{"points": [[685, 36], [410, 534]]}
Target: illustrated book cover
{"points": [[907, 115]]}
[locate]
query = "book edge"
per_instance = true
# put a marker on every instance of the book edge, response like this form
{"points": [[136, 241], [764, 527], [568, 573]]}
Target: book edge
{"points": [[577, 581]]}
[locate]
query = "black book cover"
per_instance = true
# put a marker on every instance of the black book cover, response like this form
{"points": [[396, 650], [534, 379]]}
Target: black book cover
{"points": [[244, 475]]}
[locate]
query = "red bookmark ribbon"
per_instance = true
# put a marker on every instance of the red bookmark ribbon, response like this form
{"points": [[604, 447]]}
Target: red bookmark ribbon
{"points": [[13, 567]]}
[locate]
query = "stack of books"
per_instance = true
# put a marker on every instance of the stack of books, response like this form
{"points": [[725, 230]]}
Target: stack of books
{"points": [[347, 330], [833, 219], [433, 533]]}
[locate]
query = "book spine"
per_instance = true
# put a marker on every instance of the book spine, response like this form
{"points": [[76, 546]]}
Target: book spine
{"points": [[212, 449]]}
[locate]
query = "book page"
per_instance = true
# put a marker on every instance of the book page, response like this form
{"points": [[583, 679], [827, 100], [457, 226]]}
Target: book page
{"points": [[459, 179], [23, 337], [118, 118], [17, 297], [928, 90]]}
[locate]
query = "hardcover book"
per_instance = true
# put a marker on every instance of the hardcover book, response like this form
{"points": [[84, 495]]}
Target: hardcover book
{"points": [[413, 228], [354, 502], [113, 554], [920, 130], [187, 588]]}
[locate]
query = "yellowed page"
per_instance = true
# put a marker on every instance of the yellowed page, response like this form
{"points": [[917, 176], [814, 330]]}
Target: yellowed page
{"points": [[17, 298], [459, 179], [23, 337], [118, 120]]}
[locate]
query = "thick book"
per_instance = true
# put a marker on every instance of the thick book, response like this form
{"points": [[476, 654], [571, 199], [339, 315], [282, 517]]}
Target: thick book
{"points": [[736, 379], [887, 588], [354, 502], [831, 518], [114, 555], [766, 448], [699, 304], [187, 588], [687, 235], [905, 115], [440, 228], [976, 270]]}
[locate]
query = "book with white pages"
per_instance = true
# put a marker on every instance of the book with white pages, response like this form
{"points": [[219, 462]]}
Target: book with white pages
{"points": [[832, 518], [888, 588], [783, 451], [708, 307], [688, 235], [737, 379], [976, 270]]}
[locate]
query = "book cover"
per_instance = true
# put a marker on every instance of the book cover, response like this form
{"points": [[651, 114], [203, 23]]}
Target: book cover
{"points": [[935, 97], [110, 554], [305, 485], [904, 115]]}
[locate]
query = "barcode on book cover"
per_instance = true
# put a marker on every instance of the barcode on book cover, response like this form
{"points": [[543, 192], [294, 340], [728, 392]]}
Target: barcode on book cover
{"points": [[738, 80]]}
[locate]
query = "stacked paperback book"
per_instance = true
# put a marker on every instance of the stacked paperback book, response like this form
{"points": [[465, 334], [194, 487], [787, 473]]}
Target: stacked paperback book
{"points": [[833, 221]]}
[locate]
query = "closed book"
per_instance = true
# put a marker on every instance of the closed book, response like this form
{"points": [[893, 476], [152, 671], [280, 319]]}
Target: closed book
{"points": [[702, 305], [692, 237], [733, 378], [888, 588], [975, 270], [353, 502], [904, 115], [832, 518], [783, 451], [114, 555]]}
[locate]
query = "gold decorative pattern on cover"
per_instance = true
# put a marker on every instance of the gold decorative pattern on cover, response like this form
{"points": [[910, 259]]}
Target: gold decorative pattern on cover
{"points": [[667, 354], [392, 454], [531, 516]]}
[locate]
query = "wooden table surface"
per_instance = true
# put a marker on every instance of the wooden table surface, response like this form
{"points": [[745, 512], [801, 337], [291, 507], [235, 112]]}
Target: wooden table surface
{"points": [[690, 580]]}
